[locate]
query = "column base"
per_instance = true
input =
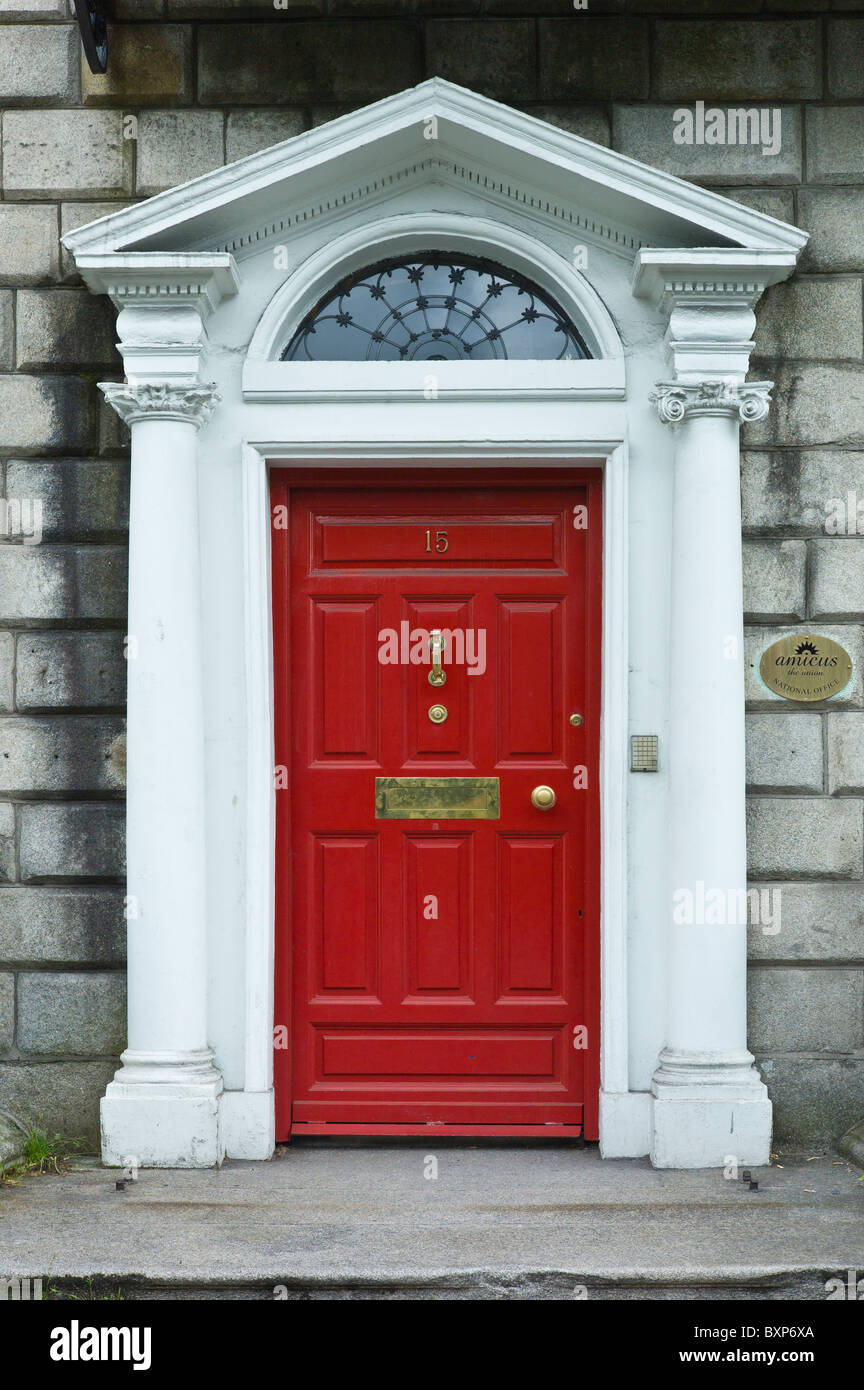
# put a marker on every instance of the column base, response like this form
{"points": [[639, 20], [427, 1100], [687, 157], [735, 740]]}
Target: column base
{"points": [[709, 1108], [162, 1111]]}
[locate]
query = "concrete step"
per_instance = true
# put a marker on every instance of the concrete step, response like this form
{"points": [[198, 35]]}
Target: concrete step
{"points": [[414, 1221], [470, 1285]]}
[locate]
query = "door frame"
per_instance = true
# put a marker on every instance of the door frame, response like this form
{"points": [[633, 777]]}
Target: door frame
{"points": [[408, 477], [623, 1114]]}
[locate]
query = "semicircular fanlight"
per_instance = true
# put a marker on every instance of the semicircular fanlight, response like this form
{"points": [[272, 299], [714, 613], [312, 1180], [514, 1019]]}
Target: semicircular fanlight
{"points": [[433, 307]]}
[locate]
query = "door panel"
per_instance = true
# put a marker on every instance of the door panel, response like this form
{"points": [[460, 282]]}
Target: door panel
{"points": [[531, 644], [347, 708], [435, 971], [440, 948], [345, 913], [531, 886]]}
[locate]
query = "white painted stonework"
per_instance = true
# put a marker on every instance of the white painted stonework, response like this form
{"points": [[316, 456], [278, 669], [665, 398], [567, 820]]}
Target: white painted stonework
{"points": [[662, 278]]}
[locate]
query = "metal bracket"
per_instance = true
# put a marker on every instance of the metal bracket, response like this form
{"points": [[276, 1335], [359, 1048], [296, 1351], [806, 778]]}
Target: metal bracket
{"points": [[92, 24]]}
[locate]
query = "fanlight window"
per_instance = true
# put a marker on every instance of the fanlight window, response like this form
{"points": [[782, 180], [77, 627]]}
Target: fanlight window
{"points": [[435, 307]]}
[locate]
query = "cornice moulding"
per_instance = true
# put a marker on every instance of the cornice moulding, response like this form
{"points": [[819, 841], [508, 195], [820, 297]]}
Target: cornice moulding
{"points": [[495, 187], [483, 136], [707, 275], [202, 280]]}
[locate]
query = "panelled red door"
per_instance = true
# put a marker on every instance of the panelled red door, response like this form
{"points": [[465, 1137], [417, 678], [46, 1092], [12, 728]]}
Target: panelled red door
{"points": [[438, 934]]}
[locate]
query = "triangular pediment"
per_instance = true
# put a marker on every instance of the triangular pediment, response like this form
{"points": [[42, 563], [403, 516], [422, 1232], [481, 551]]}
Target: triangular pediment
{"points": [[436, 132]]}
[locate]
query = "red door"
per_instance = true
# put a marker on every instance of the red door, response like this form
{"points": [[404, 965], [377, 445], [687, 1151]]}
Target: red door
{"points": [[438, 930]]}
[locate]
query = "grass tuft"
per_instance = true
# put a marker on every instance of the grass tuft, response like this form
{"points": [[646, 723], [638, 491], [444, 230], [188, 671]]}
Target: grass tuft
{"points": [[43, 1151]]}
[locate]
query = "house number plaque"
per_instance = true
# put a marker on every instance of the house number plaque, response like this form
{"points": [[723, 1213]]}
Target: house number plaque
{"points": [[806, 667]]}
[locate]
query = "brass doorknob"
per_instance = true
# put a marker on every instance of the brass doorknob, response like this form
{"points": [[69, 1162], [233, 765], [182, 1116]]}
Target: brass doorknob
{"points": [[543, 798]]}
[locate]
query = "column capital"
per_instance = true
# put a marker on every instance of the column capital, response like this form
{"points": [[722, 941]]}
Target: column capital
{"points": [[678, 400], [190, 402]]}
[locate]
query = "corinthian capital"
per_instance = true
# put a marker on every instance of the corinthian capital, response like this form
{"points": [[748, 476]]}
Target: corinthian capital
{"points": [[146, 400], [676, 400]]}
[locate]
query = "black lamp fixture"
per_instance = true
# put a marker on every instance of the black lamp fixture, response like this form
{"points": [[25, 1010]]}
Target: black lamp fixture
{"points": [[90, 15]]}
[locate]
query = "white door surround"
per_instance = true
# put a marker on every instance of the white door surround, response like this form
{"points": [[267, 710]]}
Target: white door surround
{"points": [[210, 280]]}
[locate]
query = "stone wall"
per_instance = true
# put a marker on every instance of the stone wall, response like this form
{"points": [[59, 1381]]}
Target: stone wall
{"points": [[207, 83]]}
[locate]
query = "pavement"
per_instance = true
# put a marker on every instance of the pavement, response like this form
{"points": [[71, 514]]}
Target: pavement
{"points": [[500, 1222]]}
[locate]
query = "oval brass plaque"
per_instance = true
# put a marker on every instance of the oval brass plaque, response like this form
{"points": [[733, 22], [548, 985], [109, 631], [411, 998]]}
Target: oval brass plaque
{"points": [[806, 667]]}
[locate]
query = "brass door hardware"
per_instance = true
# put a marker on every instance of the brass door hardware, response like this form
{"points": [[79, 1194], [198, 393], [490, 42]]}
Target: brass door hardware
{"points": [[437, 798], [437, 676], [543, 798]]}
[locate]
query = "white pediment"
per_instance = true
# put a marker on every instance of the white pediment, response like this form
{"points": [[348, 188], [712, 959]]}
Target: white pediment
{"points": [[436, 132]]}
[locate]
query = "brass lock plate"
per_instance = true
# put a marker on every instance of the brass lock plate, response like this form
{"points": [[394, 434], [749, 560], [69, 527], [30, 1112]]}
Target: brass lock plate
{"points": [[437, 798]]}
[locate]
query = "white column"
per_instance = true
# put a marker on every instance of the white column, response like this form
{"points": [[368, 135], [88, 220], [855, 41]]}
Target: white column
{"points": [[162, 1107], [709, 1102]]}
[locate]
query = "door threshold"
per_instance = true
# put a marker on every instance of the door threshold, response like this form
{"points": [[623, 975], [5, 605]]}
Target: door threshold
{"points": [[320, 1128]]}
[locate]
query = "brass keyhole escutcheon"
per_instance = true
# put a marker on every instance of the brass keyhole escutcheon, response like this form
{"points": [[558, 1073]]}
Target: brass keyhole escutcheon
{"points": [[437, 713], [576, 720], [543, 798]]}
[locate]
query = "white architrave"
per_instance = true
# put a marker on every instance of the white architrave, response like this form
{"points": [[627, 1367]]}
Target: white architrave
{"points": [[626, 1116], [521, 191]]}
